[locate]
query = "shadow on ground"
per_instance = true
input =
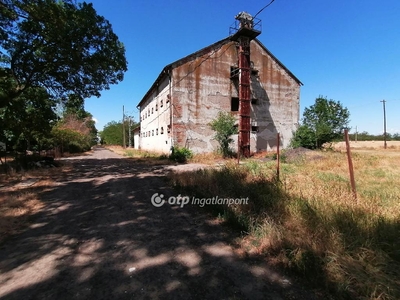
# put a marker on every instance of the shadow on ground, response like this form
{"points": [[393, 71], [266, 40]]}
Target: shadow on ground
{"points": [[99, 237]]}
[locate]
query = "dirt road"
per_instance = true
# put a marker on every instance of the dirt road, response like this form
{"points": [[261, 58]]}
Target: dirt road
{"points": [[99, 237]]}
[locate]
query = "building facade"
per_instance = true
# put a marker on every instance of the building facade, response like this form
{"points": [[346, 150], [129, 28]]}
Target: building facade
{"points": [[189, 93]]}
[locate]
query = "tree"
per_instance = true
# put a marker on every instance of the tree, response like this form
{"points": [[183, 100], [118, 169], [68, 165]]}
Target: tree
{"points": [[112, 133], [28, 120], [322, 122], [75, 134], [224, 127], [59, 45]]}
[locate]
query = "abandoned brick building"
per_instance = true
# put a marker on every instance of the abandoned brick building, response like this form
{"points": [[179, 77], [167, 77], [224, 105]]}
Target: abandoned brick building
{"points": [[189, 93]]}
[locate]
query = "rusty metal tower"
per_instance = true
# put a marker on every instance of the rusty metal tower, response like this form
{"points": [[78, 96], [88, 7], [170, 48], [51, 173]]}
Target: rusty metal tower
{"points": [[245, 29]]}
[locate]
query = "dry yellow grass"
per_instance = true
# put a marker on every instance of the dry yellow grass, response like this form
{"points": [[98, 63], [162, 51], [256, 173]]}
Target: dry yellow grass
{"points": [[18, 202], [310, 222], [368, 145]]}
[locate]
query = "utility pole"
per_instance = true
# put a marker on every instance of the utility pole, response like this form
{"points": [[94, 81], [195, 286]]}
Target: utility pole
{"points": [[123, 127], [356, 134], [384, 124], [129, 132]]}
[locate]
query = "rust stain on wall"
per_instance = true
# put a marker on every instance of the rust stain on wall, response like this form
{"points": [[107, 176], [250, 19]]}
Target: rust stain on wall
{"points": [[202, 87]]}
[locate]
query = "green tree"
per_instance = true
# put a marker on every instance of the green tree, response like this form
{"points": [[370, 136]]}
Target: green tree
{"points": [[60, 45], [322, 122], [29, 120], [112, 133], [224, 127]]}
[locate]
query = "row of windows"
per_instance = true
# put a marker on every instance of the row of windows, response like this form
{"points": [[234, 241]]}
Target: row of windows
{"points": [[155, 132], [148, 111]]}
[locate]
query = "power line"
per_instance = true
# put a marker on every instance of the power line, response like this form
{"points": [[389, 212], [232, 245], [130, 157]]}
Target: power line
{"points": [[262, 9]]}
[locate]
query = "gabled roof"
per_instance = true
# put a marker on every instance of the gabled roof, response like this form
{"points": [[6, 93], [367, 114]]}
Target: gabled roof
{"points": [[167, 69]]}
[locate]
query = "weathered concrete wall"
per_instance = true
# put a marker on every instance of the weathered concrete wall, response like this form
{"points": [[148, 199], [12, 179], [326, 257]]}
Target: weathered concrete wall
{"points": [[155, 116], [277, 104], [202, 87]]}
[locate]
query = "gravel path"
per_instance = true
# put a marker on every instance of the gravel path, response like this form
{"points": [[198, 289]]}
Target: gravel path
{"points": [[99, 237]]}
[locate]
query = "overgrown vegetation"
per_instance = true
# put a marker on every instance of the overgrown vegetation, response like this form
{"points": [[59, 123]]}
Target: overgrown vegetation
{"points": [[311, 224], [322, 122], [180, 154], [224, 127]]}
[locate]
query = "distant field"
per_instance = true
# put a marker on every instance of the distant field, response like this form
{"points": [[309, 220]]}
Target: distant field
{"points": [[368, 145]]}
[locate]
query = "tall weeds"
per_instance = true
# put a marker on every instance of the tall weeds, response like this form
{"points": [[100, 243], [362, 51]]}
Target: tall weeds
{"points": [[310, 223]]}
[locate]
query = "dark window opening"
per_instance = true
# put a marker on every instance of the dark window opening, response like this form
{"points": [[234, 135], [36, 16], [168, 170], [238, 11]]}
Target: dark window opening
{"points": [[254, 101], [234, 104], [234, 72], [254, 72], [254, 128]]}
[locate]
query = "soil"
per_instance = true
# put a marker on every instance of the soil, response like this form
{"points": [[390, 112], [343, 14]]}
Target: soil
{"points": [[99, 237]]}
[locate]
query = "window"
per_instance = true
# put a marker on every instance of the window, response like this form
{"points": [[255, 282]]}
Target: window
{"points": [[234, 104], [254, 129], [234, 72], [152, 110], [157, 131], [169, 128], [161, 103], [156, 107], [254, 101], [162, 130], [168, 98], [152, 132]]}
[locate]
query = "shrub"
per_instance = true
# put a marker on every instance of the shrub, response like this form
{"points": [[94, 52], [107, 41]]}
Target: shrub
{"points": [[180, 155], [224, 127]]}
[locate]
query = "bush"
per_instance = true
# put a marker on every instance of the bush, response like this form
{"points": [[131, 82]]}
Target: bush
{"points": [[180, 155], [224, 127]]}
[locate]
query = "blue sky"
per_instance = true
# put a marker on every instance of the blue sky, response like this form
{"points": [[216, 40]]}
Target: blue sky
{"points": [[346, 50]]}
